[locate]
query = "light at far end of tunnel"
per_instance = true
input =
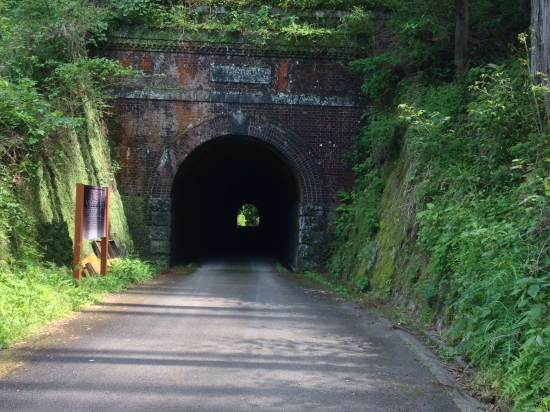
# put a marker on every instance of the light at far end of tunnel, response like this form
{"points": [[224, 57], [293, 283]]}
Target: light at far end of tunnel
{"points": [[248, 215]]}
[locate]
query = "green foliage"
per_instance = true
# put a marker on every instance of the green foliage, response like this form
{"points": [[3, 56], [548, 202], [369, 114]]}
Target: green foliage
{"points": [[33, 294], [418, 41], [51, 97], [24, 112], [377, 143], [134, 9], [14, 224], [37, 35], [485, 225], [45, 73], [362, 284], [87, 78], [474, 199], [276, 22], [261, 23], [474, 193], [248, 215], [358, 222]]}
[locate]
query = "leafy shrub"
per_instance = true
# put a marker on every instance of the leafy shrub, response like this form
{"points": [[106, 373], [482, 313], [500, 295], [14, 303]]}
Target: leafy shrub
{"points": [[486, 228]]}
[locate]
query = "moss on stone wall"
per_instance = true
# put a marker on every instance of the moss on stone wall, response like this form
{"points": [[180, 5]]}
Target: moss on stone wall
{"points": [[134, 206], [395, 236], [380, 248]]}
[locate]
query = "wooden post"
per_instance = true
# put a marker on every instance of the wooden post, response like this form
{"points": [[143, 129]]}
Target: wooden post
{"points": [[78, 220], [105, 240]]}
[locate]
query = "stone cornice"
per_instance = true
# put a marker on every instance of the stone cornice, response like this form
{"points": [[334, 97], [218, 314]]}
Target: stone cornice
{"points": [[236, 48], [209, 96]]}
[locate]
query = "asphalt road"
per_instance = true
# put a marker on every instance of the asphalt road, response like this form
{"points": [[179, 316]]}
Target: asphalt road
{"points": [[228, 337]]}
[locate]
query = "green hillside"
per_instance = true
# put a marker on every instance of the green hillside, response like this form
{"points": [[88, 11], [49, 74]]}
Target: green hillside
{"points": [[449, 212]]}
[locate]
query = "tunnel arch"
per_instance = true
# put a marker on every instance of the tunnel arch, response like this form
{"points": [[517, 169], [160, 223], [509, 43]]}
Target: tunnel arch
{"points": [[214, 182], [240, 126], [291, 147]]}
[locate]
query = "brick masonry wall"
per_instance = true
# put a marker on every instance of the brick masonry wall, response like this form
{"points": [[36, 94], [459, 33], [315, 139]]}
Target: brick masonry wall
{"points": [[191, 97]]}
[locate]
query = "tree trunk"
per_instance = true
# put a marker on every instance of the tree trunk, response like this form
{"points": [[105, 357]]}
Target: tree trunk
{"points": [[540, 43], [461, 34]]}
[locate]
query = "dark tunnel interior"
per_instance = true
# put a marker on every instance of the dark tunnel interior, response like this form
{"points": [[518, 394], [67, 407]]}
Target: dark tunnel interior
{"points": [[214, 182]]}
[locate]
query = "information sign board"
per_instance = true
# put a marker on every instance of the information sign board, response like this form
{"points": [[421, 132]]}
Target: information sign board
{"points": [[91, 221], [95, 212]]}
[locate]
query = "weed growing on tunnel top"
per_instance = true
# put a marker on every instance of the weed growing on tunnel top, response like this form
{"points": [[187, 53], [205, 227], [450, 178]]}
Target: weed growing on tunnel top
{"points": [[33, 294]]}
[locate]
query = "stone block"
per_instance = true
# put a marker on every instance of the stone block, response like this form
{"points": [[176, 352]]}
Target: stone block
{"points": [[217, 96], [158, 232], [309, 257], [240, 74], [160, 247], [239, 122], [311, 209], [160, 204], [160, 219], [308, 223], [312, 237]]}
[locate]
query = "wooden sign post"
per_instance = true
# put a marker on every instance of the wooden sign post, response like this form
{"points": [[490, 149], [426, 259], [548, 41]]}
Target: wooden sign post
{"points": [[91, 221]]}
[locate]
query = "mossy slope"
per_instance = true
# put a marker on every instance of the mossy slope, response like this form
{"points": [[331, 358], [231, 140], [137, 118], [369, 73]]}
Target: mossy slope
{"points": [[47, 193]]}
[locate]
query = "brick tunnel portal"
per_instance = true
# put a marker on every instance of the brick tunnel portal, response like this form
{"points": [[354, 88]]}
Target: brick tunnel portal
{"points": [[214, 182], [300, 109]]}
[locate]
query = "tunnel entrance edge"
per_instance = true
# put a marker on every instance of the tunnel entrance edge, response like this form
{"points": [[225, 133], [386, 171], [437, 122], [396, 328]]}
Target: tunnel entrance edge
{"points": [[310, 215]]}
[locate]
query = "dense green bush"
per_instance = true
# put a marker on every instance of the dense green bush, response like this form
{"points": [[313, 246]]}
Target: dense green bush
{"points": [[51, 98], [486, 227]]}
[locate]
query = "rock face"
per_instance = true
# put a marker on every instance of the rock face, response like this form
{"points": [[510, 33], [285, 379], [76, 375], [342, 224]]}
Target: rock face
{"points": [[306, 108]]}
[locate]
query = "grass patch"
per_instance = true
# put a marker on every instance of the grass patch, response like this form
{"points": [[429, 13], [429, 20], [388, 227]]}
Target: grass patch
{"points": [[348, 291], [33, 294], [178, 270]]}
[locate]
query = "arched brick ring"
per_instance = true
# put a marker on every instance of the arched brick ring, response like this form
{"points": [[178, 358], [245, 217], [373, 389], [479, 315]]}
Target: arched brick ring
{"points": [[293, 150]]}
